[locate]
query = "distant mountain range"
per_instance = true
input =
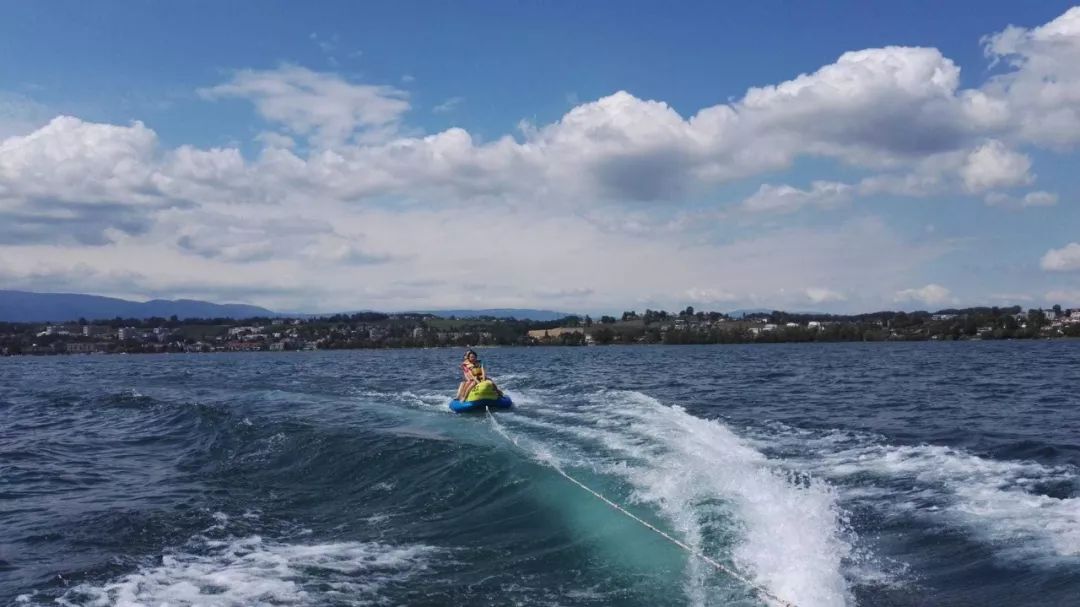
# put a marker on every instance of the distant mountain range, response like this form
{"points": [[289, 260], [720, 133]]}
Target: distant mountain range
{"points": [[24, 306], [518, 313], [747, 312], [742, 313]]}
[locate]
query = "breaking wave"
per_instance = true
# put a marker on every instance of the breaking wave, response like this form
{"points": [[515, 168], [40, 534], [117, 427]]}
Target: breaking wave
{"points": [[718, 493]]}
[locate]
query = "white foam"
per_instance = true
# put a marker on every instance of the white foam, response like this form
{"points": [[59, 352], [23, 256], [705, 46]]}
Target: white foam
{"points": [[510, 378], [787, 534], [996, 499], [430, 399], [252, 571]]}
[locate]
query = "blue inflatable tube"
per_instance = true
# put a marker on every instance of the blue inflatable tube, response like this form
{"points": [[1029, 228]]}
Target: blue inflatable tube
{"points": [[502, 403]]}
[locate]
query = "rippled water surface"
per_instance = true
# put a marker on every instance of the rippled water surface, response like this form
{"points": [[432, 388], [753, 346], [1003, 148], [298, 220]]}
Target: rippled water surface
{"points": [[829, 474]]}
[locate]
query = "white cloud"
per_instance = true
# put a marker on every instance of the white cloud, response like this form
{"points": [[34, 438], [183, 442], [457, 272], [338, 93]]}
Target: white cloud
{"points": [[101, 270], [1065, 259], [820, 295], [80, 162], [785, 198], [892, 107], [447, 106], [1041, 91], [1066, 297], [925, 180], [992, 165], [931, 295], [1031, 199], [888, 107], [399, 203], [248, 237], [874, 107], [516, 260], [871, 107], [323, 106], [1039, 199], [710, 296], [275, 140]]}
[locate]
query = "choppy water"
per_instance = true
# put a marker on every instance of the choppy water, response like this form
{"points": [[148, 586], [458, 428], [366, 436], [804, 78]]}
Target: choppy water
{"points": [[835, 474]]}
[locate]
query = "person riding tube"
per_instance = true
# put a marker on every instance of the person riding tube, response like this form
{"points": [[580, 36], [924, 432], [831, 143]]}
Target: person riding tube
{"points": [[473, 371]]}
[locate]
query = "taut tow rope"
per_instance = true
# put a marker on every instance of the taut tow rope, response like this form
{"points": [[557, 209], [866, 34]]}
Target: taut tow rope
{"points": [[689, 549]]}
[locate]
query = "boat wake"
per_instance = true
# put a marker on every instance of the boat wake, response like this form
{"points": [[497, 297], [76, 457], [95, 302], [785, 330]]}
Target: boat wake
{"points": [[235, 572], [1022, 509], [716, 492]]}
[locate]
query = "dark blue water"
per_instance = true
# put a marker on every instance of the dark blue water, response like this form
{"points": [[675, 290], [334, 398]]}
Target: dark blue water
{"points": [[830, 474]]}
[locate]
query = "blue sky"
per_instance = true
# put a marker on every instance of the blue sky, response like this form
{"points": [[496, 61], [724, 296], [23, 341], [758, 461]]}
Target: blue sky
{"points": [[587, 157]]}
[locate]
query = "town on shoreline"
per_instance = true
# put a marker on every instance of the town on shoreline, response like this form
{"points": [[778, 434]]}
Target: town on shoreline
{"points": [[377, 330]]}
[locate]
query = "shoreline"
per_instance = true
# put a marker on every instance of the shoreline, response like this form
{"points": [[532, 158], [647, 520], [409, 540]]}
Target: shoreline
{"points": [[542, 346]]}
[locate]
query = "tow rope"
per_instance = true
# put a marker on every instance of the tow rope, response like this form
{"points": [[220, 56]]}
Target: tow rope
{"points": [[764, 592]]}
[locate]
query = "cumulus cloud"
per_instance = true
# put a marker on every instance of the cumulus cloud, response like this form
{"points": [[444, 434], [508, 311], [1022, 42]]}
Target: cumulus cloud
{"points": [[76, 182], [1041, 91], [892, 108], [877, 107], [872, 106], [111, 192], [992, 165], [324, 106], [1065, 259], [931, 295], [80, 162]]}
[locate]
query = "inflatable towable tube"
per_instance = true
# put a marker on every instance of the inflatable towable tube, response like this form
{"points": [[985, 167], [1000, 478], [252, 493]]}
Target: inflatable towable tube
{"points": [[483, 396]]}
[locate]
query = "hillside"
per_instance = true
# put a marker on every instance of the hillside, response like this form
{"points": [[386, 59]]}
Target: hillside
{"points": [[24, 306]]}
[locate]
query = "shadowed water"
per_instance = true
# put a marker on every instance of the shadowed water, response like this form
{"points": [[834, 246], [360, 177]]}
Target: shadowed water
{"points": [[831, 474]]}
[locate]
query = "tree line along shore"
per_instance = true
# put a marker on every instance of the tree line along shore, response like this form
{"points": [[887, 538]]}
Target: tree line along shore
{"points": [[377, 330]]}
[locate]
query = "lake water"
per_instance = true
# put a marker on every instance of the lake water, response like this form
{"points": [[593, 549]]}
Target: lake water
{"points": [[943, 474]]}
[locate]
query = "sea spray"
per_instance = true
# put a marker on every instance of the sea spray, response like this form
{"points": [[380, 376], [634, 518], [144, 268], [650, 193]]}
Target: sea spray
{"points": [[788, 534]]}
